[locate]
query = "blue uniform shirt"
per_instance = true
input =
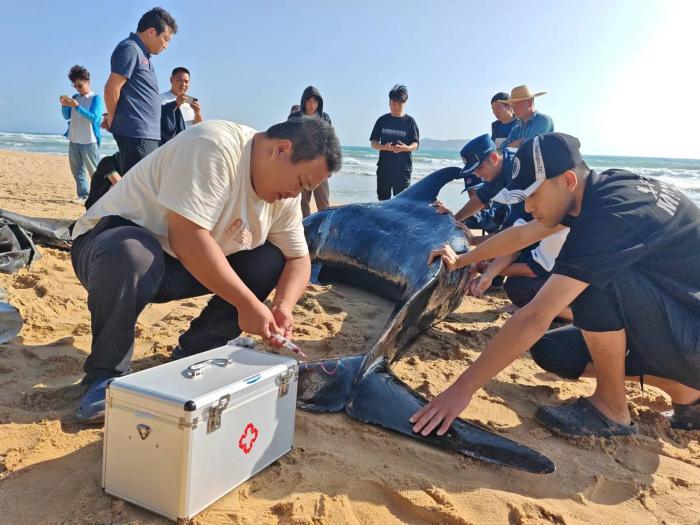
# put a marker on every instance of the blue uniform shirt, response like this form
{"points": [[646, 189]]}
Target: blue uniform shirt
{"points": [[538, 124], [138, 109], [491, 188]]}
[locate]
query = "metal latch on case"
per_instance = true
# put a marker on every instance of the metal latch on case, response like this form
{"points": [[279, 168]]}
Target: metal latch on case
{"points": [[283, 380], [215, 411]]}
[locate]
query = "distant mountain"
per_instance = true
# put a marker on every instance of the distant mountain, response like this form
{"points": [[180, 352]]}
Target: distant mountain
{"points": [[443, 145]]}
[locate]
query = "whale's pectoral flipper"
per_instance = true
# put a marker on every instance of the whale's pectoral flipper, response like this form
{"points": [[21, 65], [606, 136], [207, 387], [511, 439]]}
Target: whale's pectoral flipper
{"points": [[325, 386], [382, 399]]}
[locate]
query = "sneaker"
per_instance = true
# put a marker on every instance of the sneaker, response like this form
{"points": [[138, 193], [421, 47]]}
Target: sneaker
{"points": [[686, 417], [91, 406], [79, 200]]}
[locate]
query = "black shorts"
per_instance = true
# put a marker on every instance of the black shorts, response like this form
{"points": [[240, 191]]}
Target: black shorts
{"points": [[563, 352], [663, 338]]}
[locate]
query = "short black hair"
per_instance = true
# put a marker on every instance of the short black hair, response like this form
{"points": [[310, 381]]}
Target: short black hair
{"points": [[78, 73], [500, 97], [311, 138], [180, 69], [157, 18], [399, 93]]}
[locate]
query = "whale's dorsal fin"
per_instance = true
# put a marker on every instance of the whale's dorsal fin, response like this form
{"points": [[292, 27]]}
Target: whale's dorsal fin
{"points": [[427, 189]]}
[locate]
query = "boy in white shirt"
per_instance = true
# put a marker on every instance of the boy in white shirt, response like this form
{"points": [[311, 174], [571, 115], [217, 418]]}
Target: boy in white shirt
{"points": [[83, 111]]}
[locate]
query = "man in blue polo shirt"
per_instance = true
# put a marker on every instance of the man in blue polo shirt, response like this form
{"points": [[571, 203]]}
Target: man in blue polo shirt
{"points": [[483, 159], [131, 93], [530, 122]]}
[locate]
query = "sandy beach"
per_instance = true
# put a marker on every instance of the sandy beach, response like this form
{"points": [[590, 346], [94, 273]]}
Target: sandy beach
{"points": [[340, 471]]}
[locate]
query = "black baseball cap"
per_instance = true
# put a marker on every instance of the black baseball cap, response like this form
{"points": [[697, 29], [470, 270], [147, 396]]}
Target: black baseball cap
{"points": [[544, 157]]}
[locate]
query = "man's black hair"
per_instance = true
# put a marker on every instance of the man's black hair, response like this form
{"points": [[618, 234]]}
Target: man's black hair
{"points": [[78, 73], [159, 19], [399, 93], [180, 69], [500, 97], [311, 138]]}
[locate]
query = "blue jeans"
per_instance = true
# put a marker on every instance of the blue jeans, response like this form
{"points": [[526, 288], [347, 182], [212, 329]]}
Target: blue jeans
{"points": [[82, 158]]}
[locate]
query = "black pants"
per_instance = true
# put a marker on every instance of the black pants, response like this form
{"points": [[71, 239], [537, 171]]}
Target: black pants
{"points": [[124, 268], [132, 150], [390, 181], [563, 351]]}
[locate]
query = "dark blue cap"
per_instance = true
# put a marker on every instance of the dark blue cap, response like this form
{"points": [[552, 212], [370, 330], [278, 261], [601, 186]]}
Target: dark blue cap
{"points": [[475, 152]]}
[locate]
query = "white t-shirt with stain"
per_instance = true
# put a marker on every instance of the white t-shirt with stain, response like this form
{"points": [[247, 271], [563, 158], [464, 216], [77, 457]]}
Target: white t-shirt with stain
{"points": [[203, 174]]}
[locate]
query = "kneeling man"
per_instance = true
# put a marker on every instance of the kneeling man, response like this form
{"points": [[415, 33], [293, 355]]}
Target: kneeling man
{"points": [[215, 210], [629, 270]]}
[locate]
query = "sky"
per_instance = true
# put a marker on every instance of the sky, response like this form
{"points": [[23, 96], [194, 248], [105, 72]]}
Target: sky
{"points": [[620, 75]]}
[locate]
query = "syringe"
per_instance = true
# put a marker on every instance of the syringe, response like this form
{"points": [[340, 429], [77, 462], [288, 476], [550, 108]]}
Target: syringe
{"points": [[286, 343]]}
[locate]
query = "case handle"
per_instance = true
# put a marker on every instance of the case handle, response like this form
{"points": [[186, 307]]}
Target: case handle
{"points": [[196, 369]]}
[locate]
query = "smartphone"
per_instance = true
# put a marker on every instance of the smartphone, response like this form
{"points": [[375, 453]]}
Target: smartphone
{"points": [[194, 99]]}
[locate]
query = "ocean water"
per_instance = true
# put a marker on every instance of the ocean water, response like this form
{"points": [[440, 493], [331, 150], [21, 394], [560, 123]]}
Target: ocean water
{"points": [[356, 182]]}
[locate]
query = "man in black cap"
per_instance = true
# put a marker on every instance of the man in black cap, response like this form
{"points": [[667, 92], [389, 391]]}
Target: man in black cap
{"points": [[501, 128], [395, 135], [629, 269]]}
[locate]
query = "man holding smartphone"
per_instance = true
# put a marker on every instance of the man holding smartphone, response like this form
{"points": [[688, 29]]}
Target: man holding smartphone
{"points": [[178, 109], [395, 136]]}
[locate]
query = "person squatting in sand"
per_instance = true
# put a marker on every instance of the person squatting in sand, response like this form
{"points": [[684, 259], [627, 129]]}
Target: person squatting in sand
{"points": [[215, 210], [629, 270]]}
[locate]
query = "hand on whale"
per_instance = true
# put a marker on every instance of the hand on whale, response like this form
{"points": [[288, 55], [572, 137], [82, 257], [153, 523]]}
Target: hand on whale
{"points": [[444, 408], [449, 257]]}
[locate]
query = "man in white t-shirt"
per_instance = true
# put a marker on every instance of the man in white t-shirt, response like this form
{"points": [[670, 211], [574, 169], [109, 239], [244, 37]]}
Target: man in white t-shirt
{"points": [[178, 110], [216, 210]]}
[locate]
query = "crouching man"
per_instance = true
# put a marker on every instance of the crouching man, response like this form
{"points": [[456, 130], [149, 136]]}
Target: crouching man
{"points": [[629, 269], [215, 210]]}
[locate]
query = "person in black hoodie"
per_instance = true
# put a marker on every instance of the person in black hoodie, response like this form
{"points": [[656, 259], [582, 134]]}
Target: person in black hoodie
{"points": [[311, 106]]}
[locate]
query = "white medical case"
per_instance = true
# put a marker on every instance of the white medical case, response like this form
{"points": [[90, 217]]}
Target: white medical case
{"points": [[181, 435]]}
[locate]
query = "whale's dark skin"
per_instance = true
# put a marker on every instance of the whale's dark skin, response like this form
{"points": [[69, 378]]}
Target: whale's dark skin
{"points": [[383, 248]]}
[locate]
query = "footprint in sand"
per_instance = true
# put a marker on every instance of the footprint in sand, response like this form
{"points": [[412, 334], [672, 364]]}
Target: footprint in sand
{"points": [[531, 514], [605, 491], [56, 398]]}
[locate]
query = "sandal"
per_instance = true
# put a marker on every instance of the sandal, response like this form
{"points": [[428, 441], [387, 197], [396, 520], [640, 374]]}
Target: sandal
{"points": [[581, 419]]}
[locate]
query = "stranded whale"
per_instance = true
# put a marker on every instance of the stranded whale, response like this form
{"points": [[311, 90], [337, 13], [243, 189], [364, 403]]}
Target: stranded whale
{"points": [[383, 248]]}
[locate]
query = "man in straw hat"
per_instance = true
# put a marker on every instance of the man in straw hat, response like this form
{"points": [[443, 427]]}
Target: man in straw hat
{"points": [[628, 268], [530, 122]]}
